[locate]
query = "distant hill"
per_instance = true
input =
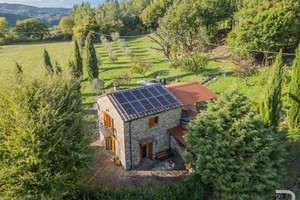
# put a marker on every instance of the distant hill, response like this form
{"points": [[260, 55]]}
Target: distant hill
{"points": [[14, 12]]}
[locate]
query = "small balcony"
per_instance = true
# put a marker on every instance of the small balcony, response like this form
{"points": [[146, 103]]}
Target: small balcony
{"points": [[106, 131]]}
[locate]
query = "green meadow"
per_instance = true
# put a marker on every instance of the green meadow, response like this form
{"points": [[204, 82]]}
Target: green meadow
{"points": [[29, 55]]}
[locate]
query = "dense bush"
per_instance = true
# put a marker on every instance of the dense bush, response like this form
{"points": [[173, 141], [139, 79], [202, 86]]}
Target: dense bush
{"points": [[44, 149], [234, 151], [190, 188]]}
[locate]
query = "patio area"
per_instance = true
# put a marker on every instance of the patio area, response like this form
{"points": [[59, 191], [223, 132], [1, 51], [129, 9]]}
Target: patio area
{"points": [[152, 173]]}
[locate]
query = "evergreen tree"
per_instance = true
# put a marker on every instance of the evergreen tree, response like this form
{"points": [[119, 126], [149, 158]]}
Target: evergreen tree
{"points": [[57, 68], [91, 59], [72, 68], [47, 63], [77, 59], [271, 106], [234, 151], [44, 148], [294, 94]]}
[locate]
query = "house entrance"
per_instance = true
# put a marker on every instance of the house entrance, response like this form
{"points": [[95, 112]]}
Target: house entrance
{"points": [[144, 151], [110, 144]]}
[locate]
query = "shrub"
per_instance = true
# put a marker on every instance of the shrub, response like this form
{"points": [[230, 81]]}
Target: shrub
{"points": [[115, 36], [191, 188], [97, 85], [44, 149], [124, 78], [141, 67]]}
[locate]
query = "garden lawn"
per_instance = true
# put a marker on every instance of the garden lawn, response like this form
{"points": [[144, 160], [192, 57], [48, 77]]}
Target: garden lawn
{"points": [[30, 56]]}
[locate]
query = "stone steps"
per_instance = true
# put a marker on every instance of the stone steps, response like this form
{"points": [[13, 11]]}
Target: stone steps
{"points": [[209, 80]]}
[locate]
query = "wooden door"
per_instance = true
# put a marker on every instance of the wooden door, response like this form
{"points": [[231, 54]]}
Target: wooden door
{"points": [[113, 146], [150, 150], [143, 152]]}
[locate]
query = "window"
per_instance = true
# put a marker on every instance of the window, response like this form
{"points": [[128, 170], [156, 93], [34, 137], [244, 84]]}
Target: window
{"points": [[109, 122], [153, 121]]}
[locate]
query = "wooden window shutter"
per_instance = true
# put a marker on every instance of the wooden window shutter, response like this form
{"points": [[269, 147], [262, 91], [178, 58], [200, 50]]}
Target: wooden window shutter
{"points": [[105, 119], [151, 122], [113, 146], [107, 143], [112, 125]]}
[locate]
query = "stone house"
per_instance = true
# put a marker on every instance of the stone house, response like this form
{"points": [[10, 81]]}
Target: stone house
{"points": [[137, 123]]}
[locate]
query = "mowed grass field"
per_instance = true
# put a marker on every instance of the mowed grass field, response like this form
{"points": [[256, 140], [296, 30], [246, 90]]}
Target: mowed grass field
{"points": [[30, 56]]}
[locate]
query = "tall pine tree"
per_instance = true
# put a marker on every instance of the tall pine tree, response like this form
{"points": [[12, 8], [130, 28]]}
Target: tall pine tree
{"points": [[234, 151], [77, 59], [271, 105], [91, 59], [294, 94], [47, 63]]}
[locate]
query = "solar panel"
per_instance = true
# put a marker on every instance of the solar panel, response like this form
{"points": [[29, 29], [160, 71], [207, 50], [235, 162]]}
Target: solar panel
{"points": [[154, 102], [129, 96], [128, 108], [162, 100], [153, 91], [145, 99], [170, 98], [146, 104], [120, 97], [137, 106], [138, 94], [161, 89], [146, 93]]}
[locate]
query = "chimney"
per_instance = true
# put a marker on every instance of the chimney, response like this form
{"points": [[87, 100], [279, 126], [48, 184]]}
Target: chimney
{"points": [[103, 91], [116, 86]]}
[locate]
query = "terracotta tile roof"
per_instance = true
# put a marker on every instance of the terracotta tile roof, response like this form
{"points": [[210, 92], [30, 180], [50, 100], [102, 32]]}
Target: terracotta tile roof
{"points": [[192, 92], [178, 133]]}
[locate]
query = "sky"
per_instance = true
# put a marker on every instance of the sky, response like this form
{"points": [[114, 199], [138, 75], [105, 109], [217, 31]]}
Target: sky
{"points": [[52, 3]]}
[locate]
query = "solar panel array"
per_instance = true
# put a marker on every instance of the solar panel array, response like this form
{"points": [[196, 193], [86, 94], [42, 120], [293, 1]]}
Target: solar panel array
{"points": [[144, 99]]}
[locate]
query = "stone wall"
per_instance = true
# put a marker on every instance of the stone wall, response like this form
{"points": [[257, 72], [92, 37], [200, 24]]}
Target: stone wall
{"points": [[106, 106], [140, 130], [177, 147]]}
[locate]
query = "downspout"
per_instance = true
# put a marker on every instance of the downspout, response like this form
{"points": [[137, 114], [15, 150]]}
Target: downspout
{"points": [[130, 145], [169, 140]]}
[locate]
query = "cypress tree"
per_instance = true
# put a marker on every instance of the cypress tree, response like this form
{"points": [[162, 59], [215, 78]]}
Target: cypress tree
{"points": [[294, 94], [233, 150], [44, 147], [271, 105], [77, 59], [72, 68], [91, 59], [47, 62], [57, 68]]}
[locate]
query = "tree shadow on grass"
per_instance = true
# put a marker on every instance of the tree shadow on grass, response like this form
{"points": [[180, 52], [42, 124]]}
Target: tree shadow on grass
{"points": [[162, 73], [113, 68], [179, 76], [140, 52]]}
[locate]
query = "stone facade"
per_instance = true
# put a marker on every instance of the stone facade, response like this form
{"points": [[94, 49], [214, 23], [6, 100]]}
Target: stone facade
{"points": [[130, 133], [176, 146], [140, 130], [106, 106]]}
